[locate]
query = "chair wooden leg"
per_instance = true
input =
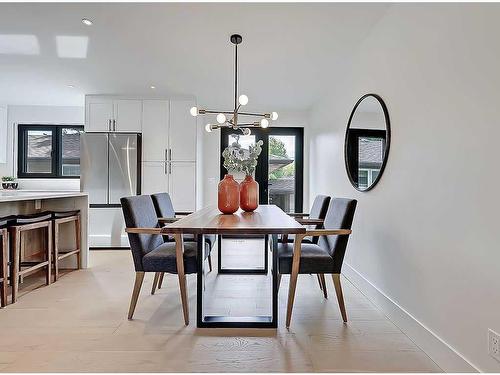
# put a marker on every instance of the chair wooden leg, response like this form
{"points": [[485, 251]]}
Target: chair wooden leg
{"points": [[78, 241], [15, 245], [323, 283], [210, 262], [155, 282], [319, 282], [160, 280], [3, 253], [139, 277], [293, 277], [340, 296], [279, 281], [179, 255]]}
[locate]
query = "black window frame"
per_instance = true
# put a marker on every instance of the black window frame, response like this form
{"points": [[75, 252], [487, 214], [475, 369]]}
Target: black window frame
{"points": [[56, 166]]}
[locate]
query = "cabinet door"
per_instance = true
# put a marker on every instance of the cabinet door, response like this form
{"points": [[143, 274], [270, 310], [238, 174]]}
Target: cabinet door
{"points": [[182, 131], [128, 115], [182, 186], [155, 130], [154, 177], [99, 112], [3, 134]]}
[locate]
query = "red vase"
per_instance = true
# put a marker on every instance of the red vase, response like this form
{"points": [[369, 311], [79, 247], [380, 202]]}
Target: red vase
{"points": [[229, 195], [249, 194]]}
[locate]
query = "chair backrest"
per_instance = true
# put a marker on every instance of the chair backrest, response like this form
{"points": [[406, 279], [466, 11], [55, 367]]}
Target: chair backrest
{"points": [[139, 212], [163, 205], [339, 216], [319, 207]]}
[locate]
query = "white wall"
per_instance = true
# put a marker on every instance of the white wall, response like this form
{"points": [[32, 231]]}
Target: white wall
{"points": [[209, 163], [427, 236], [38, 115]]}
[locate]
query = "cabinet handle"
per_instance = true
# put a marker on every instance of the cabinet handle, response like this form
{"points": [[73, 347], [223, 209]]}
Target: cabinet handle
{"points": [[169, 168], [170, 154], [109, 125], [165, 168], [166, 155], [114, 125]]}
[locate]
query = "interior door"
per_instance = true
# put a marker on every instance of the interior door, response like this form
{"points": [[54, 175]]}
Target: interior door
{"points": [[182, 185], [279, 169], [128, 115], [123, 171]]}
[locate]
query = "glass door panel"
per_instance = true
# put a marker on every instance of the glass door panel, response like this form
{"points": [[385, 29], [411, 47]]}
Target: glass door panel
{"points": [[282, 172]]}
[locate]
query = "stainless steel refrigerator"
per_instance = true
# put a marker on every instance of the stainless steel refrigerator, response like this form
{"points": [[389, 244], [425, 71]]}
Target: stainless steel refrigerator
{"points": [[110, 169]]}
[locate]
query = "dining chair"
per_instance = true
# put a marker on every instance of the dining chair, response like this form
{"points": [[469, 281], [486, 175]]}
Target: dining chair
{"points": [[166, 214], [314, 219], [326, 256], [151, 253]]}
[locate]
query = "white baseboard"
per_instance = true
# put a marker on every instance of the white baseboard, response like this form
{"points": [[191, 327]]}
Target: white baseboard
{"points": [[436, 348]]}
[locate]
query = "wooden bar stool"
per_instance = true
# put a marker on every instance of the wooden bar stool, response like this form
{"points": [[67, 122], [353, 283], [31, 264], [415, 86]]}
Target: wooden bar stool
{"points": [[4, 248], [59, 218], [22, 224]]}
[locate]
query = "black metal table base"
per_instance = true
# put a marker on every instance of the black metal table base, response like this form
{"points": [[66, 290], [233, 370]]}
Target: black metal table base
{"points": [[242, 271], [261, 321]]}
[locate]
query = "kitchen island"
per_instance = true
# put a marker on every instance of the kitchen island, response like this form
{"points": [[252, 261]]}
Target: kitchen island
{"points": [[24, 202]]}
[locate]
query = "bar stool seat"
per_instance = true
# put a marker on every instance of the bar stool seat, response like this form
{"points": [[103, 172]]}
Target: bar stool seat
{"points": [[17, 225], [4, 246], [59, 218]]}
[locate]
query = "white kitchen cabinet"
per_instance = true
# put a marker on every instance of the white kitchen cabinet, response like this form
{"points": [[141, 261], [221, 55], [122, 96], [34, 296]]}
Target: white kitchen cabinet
{"points": [[182, 186], [127, 115], [155, 137], [176, 178], [3, 134], [182, 131], [154, 177], [107, 114], [99, 115]]}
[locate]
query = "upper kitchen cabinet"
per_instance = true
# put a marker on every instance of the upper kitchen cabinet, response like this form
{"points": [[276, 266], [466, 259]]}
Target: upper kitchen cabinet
{"points": [[155, 137], [3, 134], [182, 131], [107, 114]]}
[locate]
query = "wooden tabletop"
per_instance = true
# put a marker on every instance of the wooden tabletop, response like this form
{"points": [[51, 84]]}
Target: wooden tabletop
{"points": [[266, 219]]}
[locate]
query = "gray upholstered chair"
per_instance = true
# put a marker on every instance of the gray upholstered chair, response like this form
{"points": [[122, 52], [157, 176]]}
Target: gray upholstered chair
{"points": [[166, 214], [151, 253], [326, 256], [314, 220]]}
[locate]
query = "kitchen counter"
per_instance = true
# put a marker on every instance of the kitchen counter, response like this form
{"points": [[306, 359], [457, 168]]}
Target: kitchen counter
{"points": [[23, 202]]}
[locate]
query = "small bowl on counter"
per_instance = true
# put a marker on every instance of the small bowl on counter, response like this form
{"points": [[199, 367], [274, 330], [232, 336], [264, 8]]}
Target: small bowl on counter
{"points": [[10, 185]]}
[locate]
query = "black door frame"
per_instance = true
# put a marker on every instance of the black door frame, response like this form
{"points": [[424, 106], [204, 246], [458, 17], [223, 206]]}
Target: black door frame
{"points": [[262, 169]]}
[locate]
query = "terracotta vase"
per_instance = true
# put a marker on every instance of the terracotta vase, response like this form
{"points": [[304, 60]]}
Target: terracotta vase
{"points": [[249, 194], [229, 195]]}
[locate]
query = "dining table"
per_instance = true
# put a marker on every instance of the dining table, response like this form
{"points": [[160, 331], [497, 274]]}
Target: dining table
{"points": [[267, 220]]}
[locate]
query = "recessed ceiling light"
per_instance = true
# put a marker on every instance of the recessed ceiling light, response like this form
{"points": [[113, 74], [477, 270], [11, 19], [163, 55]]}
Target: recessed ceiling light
{"points": [[71, 86], [87, 22], [153, 87]]}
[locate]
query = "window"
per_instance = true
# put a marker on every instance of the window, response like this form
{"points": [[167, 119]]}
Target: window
{"points": [[49, 151]]}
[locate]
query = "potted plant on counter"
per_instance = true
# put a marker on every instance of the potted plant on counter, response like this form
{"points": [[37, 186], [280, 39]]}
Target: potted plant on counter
{"points": [[9, 183], [245, 195]]}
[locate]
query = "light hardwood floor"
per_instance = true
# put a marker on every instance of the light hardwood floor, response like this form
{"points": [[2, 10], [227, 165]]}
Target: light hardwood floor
{"points": [[79, 324]]}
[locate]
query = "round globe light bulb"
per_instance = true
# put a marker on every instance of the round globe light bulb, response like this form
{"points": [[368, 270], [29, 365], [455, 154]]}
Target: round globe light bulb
{"points": [[193, 111], [221, 118], [243, 100], [247, 131], [208, 128], [264, 123], [274, 116]]}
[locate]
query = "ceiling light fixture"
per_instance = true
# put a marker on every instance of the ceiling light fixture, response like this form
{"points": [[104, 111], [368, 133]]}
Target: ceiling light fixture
{"points": [[239, 101], [152, 87], [71, 86], [87, 22]]}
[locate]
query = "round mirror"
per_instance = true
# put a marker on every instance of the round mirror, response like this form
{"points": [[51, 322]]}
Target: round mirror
{"points": [[367, 142]]}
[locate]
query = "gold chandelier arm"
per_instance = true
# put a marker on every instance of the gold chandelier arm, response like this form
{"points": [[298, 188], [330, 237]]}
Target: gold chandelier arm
{"points": [[265, 115], [211, 111]]}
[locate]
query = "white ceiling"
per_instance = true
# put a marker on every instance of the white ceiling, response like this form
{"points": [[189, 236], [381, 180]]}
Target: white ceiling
{"points": [[290, 54]]}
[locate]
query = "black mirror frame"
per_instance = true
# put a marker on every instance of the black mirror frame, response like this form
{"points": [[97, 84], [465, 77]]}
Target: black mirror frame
{"points": [[388, 141]]}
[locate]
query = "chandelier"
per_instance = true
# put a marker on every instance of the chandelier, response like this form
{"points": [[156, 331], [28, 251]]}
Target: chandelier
{"points": [[229, 119]]}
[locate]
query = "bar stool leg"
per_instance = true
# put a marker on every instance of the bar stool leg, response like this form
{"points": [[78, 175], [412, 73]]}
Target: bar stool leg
{"points": [[78, 242], [55, 230], [15, 245], [4, 250], [48, 274]]}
